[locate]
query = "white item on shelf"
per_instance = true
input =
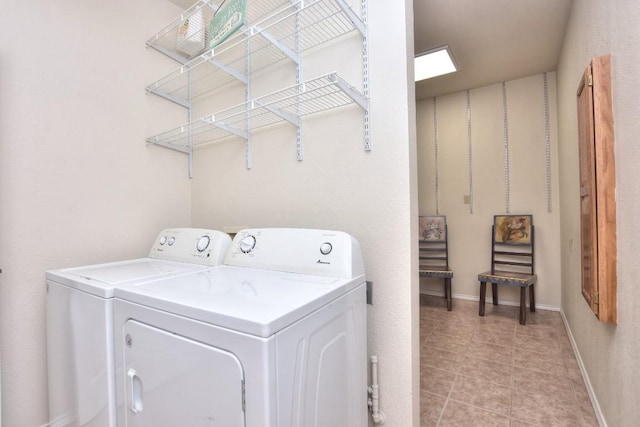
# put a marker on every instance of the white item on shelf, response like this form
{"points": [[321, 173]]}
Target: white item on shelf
{"points": [[191, 34]]}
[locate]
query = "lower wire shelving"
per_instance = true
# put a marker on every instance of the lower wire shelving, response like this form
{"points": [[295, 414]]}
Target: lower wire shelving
{"points": [[289, 104]]}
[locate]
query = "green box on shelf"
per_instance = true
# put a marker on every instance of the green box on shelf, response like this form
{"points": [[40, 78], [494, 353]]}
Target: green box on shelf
{"points": [[231, 16]]}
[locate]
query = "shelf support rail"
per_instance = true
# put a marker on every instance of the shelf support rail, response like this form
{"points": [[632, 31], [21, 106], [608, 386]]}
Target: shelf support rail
{"points": [[166, 95], [170, 53], [351, 15], [209, 56], [225, 127], [155, 140], [275, 42], [278, 112], [359, 99]]}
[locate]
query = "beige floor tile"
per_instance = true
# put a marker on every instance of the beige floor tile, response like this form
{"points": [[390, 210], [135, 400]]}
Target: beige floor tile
{"points": [[573, 370], [460, 329], [431, 301], [524, 342], [557, 386], [520, 423], [436, 381], [542, 362], [486, 370], [492, 371], [521, 354], [544, 410], [431, 407], [482, 394], [503, 312], [505, 326], [446, 342], [496, 353], [458, 414], [441, 359], [493, 337], [539, 332], [466, 305], [430, 315], [589, 418], [544, 318], [565, 349]]}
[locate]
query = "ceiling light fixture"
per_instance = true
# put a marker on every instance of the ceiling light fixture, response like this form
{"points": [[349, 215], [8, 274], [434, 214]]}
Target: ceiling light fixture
{"points": [[433, 63]]}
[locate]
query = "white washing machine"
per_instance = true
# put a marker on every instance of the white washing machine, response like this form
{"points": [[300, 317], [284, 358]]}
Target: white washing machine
{"points": [[274, 337], [80, 347]]}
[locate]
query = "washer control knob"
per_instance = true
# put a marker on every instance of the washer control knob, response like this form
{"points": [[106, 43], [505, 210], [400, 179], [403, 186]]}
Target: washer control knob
{"points": [[171, 240], [203, 243], [247, 244], [163, 240], [326, 248]]}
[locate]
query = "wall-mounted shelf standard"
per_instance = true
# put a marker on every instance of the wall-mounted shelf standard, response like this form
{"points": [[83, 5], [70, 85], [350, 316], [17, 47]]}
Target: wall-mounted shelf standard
{"points": [[269, 41], [320, 94]]}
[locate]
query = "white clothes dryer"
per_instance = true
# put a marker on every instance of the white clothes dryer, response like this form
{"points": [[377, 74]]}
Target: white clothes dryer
{"points": [[80, 348], [274, 337]]}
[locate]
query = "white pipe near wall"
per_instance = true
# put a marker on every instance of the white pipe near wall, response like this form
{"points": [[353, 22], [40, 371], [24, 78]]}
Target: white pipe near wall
{"points": [[374, 404]]}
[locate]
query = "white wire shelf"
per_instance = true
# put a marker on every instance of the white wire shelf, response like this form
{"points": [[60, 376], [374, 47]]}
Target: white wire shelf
{"points": [[165, 40], [284, 34], [289, 104]]}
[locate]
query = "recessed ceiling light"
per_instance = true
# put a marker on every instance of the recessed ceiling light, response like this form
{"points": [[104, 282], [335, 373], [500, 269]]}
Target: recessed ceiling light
{"points": [[435, 62]]}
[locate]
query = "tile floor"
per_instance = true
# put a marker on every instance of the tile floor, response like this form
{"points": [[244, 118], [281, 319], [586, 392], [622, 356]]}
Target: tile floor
{"points": [[491, 371]]}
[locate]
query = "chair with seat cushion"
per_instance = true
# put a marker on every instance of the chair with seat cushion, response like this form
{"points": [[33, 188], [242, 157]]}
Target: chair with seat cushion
{"points": [[512, 261], [434, 252]]}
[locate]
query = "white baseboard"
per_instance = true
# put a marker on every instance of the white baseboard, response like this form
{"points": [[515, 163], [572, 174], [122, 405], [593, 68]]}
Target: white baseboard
{"points": [[594, 401], [488, 300]]}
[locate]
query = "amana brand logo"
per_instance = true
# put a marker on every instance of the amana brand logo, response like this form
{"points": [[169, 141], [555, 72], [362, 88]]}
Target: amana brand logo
{"points": [[322, 262]]}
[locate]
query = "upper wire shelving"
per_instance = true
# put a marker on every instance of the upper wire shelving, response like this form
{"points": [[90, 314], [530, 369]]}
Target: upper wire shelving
{"points": [[285, 33], [165, 40]]}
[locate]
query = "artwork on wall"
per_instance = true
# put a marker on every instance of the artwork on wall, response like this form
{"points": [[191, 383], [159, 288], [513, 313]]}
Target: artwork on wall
{"points": [[513, 229], [433, 228]]}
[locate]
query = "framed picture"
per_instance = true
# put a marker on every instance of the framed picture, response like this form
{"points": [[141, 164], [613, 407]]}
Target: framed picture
{"points": [[513, 229], [433, 228]]}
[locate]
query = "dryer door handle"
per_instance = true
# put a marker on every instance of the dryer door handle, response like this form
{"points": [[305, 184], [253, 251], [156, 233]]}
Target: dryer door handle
{"points": [[136, 391]]}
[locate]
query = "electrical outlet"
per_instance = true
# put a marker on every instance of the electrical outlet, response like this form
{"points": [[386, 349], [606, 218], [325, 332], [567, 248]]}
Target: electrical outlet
{"points": [[467, 199]]}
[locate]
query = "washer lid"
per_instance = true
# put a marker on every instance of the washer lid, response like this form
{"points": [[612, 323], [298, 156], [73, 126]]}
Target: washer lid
{"points": [[101, 279], [257, 302]]}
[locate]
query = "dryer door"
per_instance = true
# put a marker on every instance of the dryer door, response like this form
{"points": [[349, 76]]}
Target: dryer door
{"points": [[174, 381]]}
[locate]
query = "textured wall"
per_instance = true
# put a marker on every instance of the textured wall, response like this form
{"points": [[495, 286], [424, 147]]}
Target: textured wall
{"points": [[470, 232], [77, 183], [608, 352], [338, 185]]}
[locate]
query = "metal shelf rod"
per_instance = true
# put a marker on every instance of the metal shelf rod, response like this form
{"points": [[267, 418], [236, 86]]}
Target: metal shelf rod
{"points": [[289, 104]]}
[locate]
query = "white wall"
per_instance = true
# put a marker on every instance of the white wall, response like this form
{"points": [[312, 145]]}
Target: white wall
{"points": [[470, 231], [77, 183], [609, 352], [338, 185]]}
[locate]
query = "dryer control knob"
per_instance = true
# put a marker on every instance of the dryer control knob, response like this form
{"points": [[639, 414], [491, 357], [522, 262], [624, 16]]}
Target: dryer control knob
{"points": [[325, 248], [171, 240], [163, 240], [203, 243], [247, 244]]}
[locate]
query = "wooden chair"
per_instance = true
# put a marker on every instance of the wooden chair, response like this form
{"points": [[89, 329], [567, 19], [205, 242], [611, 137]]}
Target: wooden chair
{"points": [[434, 252], [512, 261]]}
